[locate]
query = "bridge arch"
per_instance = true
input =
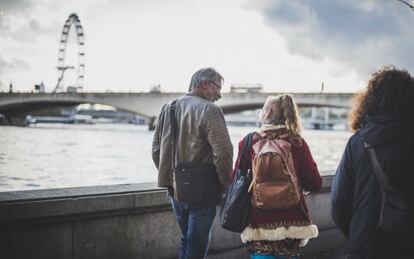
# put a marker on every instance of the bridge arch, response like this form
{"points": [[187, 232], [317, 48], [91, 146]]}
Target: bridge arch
{"points": [[25, 107]]}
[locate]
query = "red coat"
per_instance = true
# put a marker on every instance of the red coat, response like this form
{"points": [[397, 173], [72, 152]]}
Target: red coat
{"points": [[308, 177]]}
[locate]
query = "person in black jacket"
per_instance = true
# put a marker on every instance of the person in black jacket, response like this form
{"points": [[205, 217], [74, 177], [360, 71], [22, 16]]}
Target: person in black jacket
{"points": [[384, 118]]}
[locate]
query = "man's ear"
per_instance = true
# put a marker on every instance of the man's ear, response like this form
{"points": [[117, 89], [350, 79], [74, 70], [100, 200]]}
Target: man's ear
{"points": [[204, 84]]}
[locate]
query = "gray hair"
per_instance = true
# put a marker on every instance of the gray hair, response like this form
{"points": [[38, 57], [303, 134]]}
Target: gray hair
{"points": [[204, 74]]}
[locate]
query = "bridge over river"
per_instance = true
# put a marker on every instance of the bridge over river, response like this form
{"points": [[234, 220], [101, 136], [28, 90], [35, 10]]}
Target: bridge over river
{"points": [[15, 106]]}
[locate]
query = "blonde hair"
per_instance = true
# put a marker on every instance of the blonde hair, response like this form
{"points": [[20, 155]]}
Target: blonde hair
{"points": [[286, 113]]}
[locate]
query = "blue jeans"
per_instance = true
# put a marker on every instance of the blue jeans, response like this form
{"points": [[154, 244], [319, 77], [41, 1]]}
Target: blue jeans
{"points": [[195, 223], [264, 256]]}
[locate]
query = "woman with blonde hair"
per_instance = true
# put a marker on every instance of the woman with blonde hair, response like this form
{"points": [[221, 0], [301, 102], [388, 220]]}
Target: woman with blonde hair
{"points": [[280, 233]]}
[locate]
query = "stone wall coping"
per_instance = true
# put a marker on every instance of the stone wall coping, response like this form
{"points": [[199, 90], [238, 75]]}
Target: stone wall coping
{"points": [[95, 201], [73, 192]]}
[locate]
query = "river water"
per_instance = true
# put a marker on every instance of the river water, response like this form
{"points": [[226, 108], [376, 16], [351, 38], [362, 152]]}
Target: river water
{"points": [[70, 155]]}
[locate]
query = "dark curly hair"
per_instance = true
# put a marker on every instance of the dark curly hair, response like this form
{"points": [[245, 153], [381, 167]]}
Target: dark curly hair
{"points": [[390, 91]]}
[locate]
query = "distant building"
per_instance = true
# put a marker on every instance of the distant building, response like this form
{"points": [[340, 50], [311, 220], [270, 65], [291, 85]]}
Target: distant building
{"points": [[155, 89], [40, 88], [71, 89], [246, 88]]}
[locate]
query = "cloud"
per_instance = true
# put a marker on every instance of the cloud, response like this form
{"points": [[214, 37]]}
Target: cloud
{"points": [[7, 66], [18, 20], [28, 20], [12, 8], [359, 35], [15, 63], [7, 6]]}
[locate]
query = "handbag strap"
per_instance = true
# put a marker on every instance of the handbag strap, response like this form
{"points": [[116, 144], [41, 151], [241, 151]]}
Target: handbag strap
{"points": [[173, 129]]}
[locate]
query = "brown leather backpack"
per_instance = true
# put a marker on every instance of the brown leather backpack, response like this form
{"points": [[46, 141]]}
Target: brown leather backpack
{"points": [[275, 185]]}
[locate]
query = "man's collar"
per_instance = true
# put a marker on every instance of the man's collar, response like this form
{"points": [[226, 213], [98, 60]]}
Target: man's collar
{"points": [[196, 94]]}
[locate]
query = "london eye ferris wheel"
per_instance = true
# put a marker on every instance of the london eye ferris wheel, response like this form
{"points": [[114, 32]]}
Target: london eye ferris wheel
{"points": [[62, 66]]}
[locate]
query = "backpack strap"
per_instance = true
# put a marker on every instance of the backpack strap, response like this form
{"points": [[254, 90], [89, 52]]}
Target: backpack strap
{"points": [[277, 135], [274, 135], [383, 178], [375, 164]]}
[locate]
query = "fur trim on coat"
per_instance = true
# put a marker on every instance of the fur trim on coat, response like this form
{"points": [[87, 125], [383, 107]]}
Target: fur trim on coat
{"points": [[295, 232]]}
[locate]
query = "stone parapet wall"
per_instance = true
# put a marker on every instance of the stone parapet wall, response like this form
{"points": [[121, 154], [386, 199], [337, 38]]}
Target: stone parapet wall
{"points": [[120, 221]]}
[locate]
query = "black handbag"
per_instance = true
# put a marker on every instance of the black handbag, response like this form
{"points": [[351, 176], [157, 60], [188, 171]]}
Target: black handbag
{"points": [[195, 182], [235, 209]]}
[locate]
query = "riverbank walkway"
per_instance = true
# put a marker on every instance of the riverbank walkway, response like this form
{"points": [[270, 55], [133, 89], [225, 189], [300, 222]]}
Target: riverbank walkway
{"points": [[334, 254], [339, 253]]}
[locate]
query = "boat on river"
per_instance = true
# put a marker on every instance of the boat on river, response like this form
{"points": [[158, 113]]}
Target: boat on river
{"points": [[76, 118]]}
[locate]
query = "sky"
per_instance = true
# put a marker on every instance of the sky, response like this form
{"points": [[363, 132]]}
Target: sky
{"points": [[132, 45]]}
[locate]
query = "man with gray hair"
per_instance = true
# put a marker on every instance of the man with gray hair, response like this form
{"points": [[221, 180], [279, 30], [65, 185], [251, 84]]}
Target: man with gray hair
{"points": [[194, 155]]}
